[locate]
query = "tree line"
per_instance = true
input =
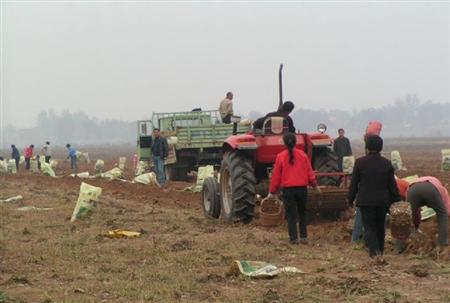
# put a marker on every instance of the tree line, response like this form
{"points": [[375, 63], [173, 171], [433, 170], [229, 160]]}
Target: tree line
{"points": [[407, 117]]}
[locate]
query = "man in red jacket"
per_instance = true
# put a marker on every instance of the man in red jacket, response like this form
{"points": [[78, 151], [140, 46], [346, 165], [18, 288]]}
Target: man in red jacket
{"points": [[292, 173]]}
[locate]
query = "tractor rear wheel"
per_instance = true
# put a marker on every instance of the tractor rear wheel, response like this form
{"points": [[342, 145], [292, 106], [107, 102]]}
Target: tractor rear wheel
{"points": [[237, 187], [211, 198], [326, 161]]}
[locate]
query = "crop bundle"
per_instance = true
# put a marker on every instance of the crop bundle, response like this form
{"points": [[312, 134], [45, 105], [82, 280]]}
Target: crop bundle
{"points": [[396, 160], [401, 220], [445, 159], [348, 163]]}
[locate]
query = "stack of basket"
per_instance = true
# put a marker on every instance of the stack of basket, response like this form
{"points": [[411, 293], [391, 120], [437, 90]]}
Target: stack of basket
{"points": [[401, 220], [271, 212]]}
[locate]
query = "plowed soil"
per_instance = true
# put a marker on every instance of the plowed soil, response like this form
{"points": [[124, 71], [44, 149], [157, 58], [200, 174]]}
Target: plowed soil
{"points": [[183, 256]]}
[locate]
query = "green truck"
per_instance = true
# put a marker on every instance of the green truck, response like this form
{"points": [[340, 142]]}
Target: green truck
{"points": [[195, 138]]}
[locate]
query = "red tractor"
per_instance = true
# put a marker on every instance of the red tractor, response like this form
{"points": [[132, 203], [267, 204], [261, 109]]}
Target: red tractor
{"points": [[247, 163]]}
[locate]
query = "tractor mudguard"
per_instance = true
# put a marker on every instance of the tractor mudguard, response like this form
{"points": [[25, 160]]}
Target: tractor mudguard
{"points": [[240, 142]]}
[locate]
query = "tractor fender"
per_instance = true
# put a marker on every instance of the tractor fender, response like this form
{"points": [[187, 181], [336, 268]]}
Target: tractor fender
{"points": [[243, 142]]}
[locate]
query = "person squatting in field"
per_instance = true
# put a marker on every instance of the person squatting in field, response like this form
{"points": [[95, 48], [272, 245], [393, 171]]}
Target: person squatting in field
{"points": [[429, 191], [292, 173]]}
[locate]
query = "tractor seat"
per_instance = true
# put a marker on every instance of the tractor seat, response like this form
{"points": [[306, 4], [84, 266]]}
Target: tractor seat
{"points": [[275, 126]]}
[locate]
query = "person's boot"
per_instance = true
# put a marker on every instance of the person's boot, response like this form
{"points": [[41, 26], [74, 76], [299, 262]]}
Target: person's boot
{"points": [[304, 241], [294, 242]]}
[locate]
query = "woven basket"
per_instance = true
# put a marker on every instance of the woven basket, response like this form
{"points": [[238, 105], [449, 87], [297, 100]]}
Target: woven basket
{"points": [[271, 213], [401, 220]]}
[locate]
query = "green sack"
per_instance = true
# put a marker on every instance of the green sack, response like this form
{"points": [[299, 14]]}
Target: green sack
{"points": [[348, 163], [258, 269], [396, 160], [12, 168], [202, 173], [3, 167], [87, 200], [47, 170]]}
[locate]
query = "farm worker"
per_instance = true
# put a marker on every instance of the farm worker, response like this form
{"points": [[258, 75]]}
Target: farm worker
{"points": [[15, 154], [283, 111], [226, 108], [46, 150], [292, 173], [72, 155], [374, 187], [28, 153], [160, 151], [373, 128], [429, 191], [342, 147]]}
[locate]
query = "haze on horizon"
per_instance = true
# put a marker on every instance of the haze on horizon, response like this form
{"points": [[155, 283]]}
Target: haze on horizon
{"points": [[124, 60]]}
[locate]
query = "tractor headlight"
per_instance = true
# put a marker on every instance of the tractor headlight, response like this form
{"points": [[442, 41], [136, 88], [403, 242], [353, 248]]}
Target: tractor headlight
{"points": [[321, 128]]}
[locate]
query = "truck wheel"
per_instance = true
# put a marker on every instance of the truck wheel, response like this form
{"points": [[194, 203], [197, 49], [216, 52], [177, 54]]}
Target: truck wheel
{"points": [[326, 161], [168, 171], [237, 188], [211, 198], [175, 173]]}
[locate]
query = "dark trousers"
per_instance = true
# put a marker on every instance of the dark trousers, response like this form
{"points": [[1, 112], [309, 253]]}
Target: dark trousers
{"points": [[17, 163], [294, 199], [27, 163], [47, 159], [226, 119], [340, 163], [73, 162], [373, 219]]}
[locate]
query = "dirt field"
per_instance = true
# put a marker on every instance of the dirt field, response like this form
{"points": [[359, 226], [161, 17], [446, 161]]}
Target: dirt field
{"points": [[182, 256]]}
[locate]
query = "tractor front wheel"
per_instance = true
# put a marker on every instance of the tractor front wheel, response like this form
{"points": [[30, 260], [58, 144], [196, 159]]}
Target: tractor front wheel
{"points": [[326, 161], [237, 187]]}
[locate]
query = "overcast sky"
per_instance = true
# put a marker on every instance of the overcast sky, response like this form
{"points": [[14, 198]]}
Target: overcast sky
{"points": [[126, 60]]}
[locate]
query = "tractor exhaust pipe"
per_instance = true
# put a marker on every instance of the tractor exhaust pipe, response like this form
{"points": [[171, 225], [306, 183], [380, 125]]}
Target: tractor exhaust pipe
{"points": [[280, 84]]}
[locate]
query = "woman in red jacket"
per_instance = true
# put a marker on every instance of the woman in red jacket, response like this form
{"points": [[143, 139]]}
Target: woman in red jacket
{"points": [[293, 173]]}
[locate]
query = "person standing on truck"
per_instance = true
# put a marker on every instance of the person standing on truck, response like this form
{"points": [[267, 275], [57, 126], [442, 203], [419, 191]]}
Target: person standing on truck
{"points": [[160, 151], [15, 154], [46, 150], [226, 108], [72, 155], [375, 189], [292, 173], [283, 111], [342, 147], [429, 191], [28, 153]]}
